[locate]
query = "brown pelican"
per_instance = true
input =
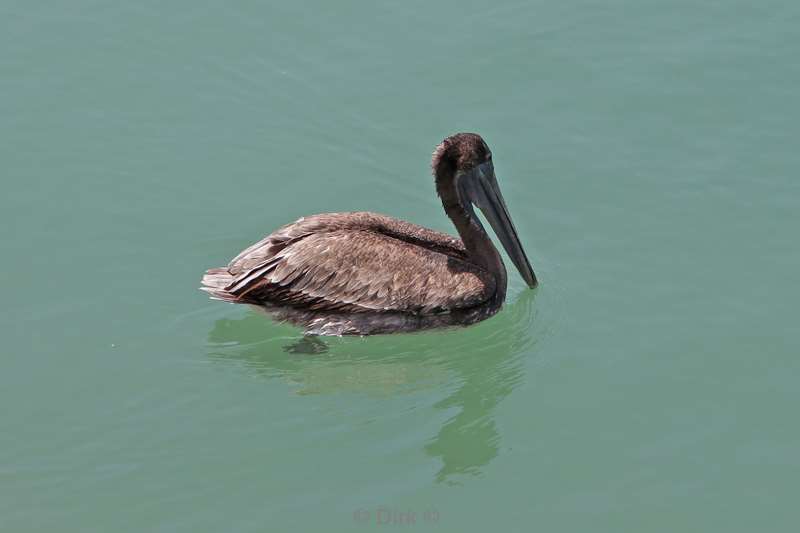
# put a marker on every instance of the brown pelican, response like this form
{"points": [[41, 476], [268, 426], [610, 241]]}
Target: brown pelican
{"points": [[361, 273]]}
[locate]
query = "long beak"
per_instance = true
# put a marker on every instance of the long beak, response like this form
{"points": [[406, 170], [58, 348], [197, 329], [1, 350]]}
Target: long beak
{"points": [[485, 194]]}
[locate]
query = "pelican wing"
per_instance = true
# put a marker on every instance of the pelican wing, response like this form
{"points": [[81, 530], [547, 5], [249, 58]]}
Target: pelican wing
{"points": [[356, 269]]}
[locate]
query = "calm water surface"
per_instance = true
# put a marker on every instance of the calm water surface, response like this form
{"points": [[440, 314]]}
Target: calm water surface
{"points": [[648, 152]]}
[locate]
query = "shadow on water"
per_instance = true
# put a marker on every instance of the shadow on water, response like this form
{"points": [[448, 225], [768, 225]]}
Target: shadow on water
{"points": [[476, 367]]}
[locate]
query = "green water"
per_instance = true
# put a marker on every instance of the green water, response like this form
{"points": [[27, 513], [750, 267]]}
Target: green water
{"points": [[649, 155]]}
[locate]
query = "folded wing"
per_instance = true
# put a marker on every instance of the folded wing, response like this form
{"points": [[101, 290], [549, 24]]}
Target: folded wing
{"points": [[356, 270]]}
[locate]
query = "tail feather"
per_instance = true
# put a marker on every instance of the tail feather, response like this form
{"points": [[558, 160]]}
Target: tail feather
{"points": [[215, 281]]}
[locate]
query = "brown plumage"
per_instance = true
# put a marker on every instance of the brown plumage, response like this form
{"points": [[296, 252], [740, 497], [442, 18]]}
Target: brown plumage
{"points": [[362, 273]]}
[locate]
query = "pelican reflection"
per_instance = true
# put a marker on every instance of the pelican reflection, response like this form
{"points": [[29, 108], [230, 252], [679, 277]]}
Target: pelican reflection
{"points": [[484, 364]]}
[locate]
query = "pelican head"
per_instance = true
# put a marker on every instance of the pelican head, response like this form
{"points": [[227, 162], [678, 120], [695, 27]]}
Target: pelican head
{"points": [[464, 172]]}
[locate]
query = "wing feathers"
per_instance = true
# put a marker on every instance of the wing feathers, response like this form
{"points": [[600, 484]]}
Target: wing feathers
{"points": [[329, 263]]}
